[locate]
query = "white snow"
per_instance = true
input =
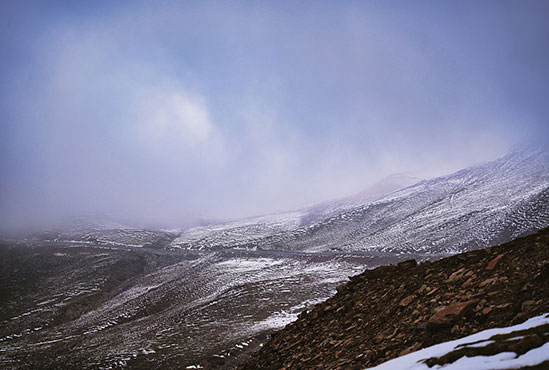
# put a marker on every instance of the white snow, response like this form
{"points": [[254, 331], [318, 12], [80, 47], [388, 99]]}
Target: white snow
{"points": [[504, 360], [282, 318], [251, 264]]}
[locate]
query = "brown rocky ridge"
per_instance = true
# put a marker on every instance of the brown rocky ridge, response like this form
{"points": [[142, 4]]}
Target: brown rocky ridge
{"points": [[394, 310]]}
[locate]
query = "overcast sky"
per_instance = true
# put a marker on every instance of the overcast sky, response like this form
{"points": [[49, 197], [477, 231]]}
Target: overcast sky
{"points": [[162, 112]]}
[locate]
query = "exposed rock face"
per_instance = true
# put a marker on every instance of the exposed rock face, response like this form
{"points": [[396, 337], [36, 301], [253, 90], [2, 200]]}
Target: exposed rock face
{"points": [[393, 310]]}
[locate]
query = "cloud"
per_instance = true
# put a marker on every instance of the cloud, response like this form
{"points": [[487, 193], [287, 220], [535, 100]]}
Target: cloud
{"points": [[180, 115], [175, 125], [168, 112]]}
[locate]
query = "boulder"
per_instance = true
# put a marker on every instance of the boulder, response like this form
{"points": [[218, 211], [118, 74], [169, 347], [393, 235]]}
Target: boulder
{"points": [[493, 262], [406, 301], [446, 316]]}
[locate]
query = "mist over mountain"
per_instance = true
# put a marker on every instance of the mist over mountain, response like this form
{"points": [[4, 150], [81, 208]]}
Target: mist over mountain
{"points": [[168, 114], [179, 181]]}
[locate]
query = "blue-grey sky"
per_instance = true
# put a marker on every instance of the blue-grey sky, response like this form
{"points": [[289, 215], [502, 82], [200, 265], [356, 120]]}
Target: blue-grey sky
{"points": [[162, 112]]}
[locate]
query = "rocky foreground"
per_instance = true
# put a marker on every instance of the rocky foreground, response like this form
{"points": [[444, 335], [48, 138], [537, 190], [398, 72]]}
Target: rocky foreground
{"points": [[391, 311]]}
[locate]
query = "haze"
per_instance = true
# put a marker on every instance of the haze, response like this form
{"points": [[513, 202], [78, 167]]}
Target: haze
{"points": [[163, 113]]}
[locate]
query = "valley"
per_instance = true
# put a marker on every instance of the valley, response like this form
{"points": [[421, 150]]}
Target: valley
{"points": [[86, 306], [112, 296]]}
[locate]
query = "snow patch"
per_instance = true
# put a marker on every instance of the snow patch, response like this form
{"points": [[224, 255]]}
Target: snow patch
{"points": [[504, 360], [250, 264], [282, 318]]}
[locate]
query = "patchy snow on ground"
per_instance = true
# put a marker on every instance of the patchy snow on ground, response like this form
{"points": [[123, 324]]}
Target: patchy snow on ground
{"points": [[245, 264], [282, 318], [504, 360]]}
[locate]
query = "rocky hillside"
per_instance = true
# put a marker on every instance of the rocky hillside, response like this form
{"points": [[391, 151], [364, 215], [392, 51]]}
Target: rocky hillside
{"points": [[395, 310]]}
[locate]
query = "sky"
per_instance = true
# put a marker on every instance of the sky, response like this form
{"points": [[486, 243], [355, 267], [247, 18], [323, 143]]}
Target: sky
{"points": [[167, 112]]}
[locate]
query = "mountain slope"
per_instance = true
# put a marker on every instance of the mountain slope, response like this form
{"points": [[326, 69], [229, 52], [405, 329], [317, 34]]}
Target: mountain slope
{"points": [[378, 190], [473, 208], [255, 230], [88, 306], [378, 315]]}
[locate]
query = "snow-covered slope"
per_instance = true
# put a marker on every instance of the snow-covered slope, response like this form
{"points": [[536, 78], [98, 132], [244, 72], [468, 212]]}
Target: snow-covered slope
{"points": [[237, 233], [101, 230], [132, 237], [488, 344], [375, 192], [475, 207], [252, 230]]}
